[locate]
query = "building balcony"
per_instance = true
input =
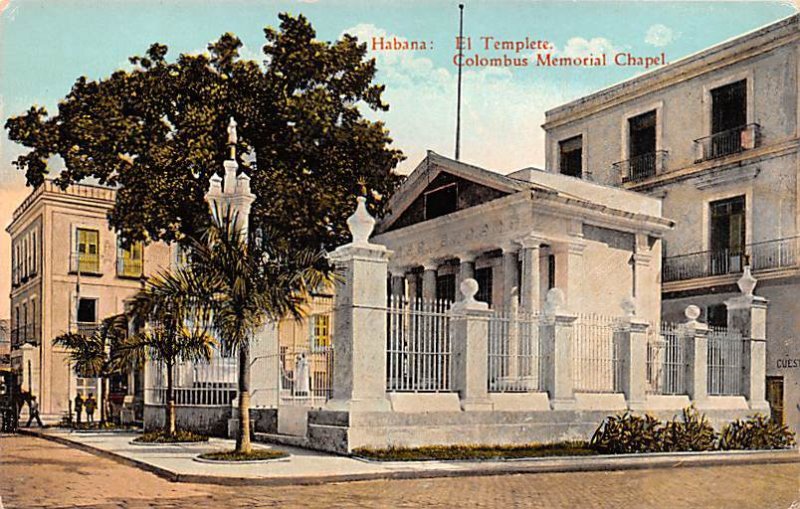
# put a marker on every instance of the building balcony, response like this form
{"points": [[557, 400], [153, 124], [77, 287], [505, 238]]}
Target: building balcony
{"points": [[641, 167], [24, 334], [728, 142], [769, 255], [130, 268]]}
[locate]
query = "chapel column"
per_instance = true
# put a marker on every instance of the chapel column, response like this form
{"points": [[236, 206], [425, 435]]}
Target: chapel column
{"points": [[510, 275], [570, 273], [429, 280], [530, 291], [466, 268]]}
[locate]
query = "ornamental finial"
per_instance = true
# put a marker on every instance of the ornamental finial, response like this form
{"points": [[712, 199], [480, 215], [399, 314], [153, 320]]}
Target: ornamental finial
{"points": [[361, 223]]}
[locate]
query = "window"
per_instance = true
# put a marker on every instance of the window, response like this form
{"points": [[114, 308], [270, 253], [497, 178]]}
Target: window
{"points": [[130, 261], [441, 201], [717, 315], [33, 252], [727, 235], [87, 310], [775, 399], [642, 145], [729, 107], [446, 287], [484, 278], [571, 156], [320, 328], [88, 250]]}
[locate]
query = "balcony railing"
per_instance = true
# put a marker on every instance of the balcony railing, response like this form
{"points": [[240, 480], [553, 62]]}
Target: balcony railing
{"points": [[772, 254], [130, 268], [641, 167], [728, 142], [25, 334]]}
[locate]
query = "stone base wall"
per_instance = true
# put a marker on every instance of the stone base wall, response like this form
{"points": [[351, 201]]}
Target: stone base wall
{"points": [[264, 420], [342, 432], [212, 421]]}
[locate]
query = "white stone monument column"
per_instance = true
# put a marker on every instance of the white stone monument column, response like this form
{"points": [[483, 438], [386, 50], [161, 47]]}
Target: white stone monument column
{"points": [[747, 314], [530, 288], [469, 333], [359, 366], [558, 352], [696, 341]]}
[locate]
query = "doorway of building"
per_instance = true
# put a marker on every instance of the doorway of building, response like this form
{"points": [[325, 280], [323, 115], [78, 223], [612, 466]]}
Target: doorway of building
{"points": [[775, 398]]}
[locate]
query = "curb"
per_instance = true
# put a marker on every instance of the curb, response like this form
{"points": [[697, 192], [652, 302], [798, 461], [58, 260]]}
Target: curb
{"points": [[597, 463]]}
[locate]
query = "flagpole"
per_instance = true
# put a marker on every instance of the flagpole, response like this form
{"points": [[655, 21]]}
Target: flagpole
{"points": [[460, 57]]}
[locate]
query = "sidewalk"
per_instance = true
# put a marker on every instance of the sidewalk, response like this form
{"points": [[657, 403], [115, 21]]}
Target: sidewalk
{"points": [[176, 462]]}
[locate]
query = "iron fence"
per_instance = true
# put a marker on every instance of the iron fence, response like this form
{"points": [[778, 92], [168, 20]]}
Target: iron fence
{"points": [[211, 383], [725, 367], [514, 352], [666, 360], [418, 350], [597, 366]]}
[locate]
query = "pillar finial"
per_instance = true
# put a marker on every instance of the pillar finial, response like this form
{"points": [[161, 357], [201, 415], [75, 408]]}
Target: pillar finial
{"points": [[361, 223], [747, 283], [233, 138]]}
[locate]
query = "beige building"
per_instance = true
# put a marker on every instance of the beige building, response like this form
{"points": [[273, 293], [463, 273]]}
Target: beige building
{"points": [[715, 135], [68, 272]]}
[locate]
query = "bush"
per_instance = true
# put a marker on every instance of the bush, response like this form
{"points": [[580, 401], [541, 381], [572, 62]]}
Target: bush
{"points": [[628, 433], [161, 437], [476, 452], [692, 432], [756, 432]]}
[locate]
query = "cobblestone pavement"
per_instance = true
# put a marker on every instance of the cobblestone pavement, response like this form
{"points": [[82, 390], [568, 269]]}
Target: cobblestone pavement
{"points": [[35, 473]]}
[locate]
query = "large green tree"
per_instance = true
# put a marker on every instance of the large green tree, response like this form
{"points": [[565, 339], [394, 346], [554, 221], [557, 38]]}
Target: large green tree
{"points": [[158, 131]]}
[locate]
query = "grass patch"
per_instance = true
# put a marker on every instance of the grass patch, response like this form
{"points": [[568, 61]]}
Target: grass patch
{"points": [[85, 426], [161, 437], [254, 455], [476, 452]]}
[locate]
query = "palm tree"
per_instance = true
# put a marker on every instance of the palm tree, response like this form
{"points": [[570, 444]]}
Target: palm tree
{"points": [[175, 330], [92, 354], [252, 281]]}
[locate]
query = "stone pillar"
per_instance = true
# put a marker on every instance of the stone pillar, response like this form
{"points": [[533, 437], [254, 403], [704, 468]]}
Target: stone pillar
{"points": [[557, 351], [466, 268], [570, 274], [359, 370], [398, 284], [695, 337], [747, 314], [429, 282], [265, 359], [510, 276], [529, 292], [469, 335], [646, 271], [411, 285], [633, 354]]}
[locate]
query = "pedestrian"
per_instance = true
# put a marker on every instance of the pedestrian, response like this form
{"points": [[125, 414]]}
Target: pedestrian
{"points": [[78, 408], [91, 406], [33, 406]]}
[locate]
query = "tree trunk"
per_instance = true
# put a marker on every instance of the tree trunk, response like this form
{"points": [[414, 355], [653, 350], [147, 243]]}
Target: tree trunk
{"points": [[243, 439], [103, 400], [170, 407]]}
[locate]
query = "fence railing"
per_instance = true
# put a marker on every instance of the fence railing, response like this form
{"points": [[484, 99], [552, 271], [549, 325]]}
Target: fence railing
{"points": [[728, 142], [212, 383], [306, 374], [418, 350], [515, 353], [596, 354], [725, 367], [641, 167], [666, 360], [767, 255]]}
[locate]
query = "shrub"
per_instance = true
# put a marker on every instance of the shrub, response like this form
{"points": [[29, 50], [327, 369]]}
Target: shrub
{"points": [[692, 432], [756, 432], [161, 437], [628, 433], [254, 455]]}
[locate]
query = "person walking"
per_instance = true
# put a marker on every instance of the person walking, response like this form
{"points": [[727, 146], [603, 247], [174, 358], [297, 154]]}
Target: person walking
{"points": [[91, 406], [33, 406], [78, 408]]}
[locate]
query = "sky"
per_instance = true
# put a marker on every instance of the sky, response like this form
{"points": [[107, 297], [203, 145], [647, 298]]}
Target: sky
{"points": [[45, 45]]}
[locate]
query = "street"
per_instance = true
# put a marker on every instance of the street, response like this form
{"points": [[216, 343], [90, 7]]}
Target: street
{"points": [[35, 473]]}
